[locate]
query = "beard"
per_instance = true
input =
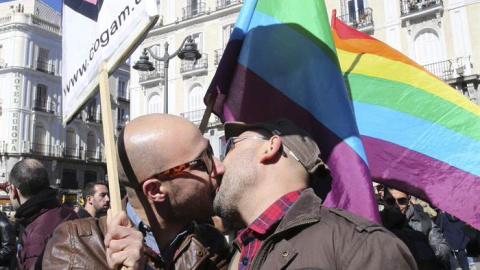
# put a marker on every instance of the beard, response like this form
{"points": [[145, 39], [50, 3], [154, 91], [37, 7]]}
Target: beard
{"points": [[239, 177], [194, 206]]}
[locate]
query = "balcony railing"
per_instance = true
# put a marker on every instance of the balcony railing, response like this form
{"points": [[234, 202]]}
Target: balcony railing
{"points": [[152, 75], [71, 152], [196, 117], [221, 4], [41, 149], [121, 124], [94, 117], [194, 11], [412, 6], [360, 19], [218, 56], [42, 104], [45, 24], [200, 64], [45, 67], [450, 69], [122, 95], [94, 155]]}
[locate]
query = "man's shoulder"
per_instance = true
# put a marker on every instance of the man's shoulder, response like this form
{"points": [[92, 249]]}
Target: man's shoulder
{"points": [[84, 226], [336, 217]]}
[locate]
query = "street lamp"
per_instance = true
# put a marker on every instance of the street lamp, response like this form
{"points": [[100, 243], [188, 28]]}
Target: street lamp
{"points": [[186, 51]]}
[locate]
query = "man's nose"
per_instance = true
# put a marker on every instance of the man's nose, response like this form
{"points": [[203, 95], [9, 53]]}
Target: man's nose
{"points": [[107, 198], [219, 167]]}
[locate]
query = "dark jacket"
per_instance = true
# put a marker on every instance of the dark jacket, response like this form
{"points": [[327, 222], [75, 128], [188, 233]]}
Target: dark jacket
{"points": [[7, 242], [452, 229], [421, 221], [314, 237], [39, 216], [82, 213], [79, 244]]}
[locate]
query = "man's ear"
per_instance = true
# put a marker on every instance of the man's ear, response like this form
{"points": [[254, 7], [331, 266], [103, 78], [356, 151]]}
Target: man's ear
{"points": [[272, 149], [153, 191], [88, 199]]}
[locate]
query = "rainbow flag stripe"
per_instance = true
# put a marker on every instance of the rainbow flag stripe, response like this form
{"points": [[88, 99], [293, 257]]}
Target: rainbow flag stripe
{"points": [[420, 135], [281, 62]]}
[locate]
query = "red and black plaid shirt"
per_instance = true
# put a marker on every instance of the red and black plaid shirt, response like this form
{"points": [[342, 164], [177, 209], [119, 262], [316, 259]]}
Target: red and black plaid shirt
{"points": [[253, 236]]}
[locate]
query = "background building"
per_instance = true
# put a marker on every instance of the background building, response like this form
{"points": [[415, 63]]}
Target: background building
{"points": [[443, 36], [30, 96]]}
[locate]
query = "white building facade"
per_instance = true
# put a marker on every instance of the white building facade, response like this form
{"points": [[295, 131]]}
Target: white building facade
{"points": [[30, 95]]}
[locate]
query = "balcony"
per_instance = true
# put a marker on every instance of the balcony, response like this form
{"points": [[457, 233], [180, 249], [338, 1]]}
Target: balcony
{"points": [[43, 105], [145, 76], [218, 56], [194, 11], [45, 24], [415, 8], [361, 20], [71, 152], [194, 66], [450, 69], [122, 95], [196, 117], [94, 117], [41, 149], [45, 67], [94, 155], [221, 4], [121, 124]]}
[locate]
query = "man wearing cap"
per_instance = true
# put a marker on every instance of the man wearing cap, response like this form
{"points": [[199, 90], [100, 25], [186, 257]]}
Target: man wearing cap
{"points": [[170, 175], [269, 167]]}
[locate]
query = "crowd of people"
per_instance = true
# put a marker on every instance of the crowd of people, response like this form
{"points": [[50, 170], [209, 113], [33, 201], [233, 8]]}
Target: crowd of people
{"points": [[174, 185]]}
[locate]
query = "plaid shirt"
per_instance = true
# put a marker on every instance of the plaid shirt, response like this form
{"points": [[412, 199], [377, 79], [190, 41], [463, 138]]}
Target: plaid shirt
{"points": [[252, 237]]}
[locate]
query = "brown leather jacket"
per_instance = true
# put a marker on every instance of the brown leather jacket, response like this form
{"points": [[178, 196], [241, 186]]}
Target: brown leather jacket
{"points": [[311, 236], [79, 244]]}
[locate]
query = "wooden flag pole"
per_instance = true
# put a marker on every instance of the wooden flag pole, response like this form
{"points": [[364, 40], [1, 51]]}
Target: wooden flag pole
{"points": [[208, 112], [110, 148]]}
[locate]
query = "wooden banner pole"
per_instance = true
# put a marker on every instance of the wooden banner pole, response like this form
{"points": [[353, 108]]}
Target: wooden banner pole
{"points": [[208, 112], [110, 148]]}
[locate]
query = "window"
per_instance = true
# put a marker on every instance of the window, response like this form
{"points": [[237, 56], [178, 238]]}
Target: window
{"points": [[121, 117], [91, 146], [427, 47], [227, 32], [41, 97], [122, 89], [154, 104], [43, 61], [198, 38], [353, 8], [69, 179], [89, 176], [71, 143], [223, 144], [193, 7], [39, 146], [195, 103]]}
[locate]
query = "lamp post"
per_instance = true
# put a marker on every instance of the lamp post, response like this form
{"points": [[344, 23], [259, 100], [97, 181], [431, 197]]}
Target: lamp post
{"points": [[188, 51]]}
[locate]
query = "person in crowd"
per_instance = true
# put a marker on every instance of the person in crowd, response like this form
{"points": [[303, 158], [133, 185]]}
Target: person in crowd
{"points": [[97, 201], [171, 177], [38, 211], [269, 169], [452, 229], [7, 243], [404, 219]]}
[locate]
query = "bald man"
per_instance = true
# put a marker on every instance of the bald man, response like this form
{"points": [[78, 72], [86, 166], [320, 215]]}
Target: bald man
{"points": [[170, 175]]}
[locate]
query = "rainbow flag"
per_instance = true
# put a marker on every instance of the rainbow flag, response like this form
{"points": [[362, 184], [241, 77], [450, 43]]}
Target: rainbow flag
{"points": [[420, 135], [281, 62]]}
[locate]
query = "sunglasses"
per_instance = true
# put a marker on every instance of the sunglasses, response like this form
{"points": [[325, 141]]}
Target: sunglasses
{"points": [[232, 140], [393, 201], [205, 159]]}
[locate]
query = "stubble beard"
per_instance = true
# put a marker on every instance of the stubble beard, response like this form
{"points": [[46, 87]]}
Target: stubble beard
{"points": [[191, 207], [236, 181]]}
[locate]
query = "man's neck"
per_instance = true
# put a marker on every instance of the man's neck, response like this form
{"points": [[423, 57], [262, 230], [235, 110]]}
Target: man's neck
{"points": [[91, 211]]}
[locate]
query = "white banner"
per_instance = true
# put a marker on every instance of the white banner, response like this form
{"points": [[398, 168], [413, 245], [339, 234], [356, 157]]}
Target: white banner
{"points": [[96, 31]]}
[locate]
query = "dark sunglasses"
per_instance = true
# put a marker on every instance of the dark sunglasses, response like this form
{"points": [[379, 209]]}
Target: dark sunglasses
{"points": [[393, 201], [205, 159]]}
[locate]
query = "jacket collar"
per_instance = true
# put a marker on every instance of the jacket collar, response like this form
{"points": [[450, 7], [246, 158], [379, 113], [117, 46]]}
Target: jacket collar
{"points": [[37, 205], [306, 208]]}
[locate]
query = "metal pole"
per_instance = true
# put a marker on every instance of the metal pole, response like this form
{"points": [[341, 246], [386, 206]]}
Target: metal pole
{"points": [[166, 59]]}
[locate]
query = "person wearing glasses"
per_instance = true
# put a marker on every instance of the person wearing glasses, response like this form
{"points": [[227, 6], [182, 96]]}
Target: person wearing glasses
{"points": [[270, 167], [402, 217], [171, 177]]}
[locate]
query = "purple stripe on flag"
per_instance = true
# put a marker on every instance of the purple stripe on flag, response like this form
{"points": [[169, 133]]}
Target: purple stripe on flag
{"points": [[345, 164], [458, 194]]}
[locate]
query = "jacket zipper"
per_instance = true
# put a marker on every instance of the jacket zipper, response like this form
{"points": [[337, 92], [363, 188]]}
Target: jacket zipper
{"points": [[262, 249]]}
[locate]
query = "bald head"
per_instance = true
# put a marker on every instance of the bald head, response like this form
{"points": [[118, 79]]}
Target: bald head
{"points": [[157, 142]]}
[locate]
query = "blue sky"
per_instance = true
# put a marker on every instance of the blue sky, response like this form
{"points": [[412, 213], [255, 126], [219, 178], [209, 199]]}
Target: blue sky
{"points": [[56, 4]]}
